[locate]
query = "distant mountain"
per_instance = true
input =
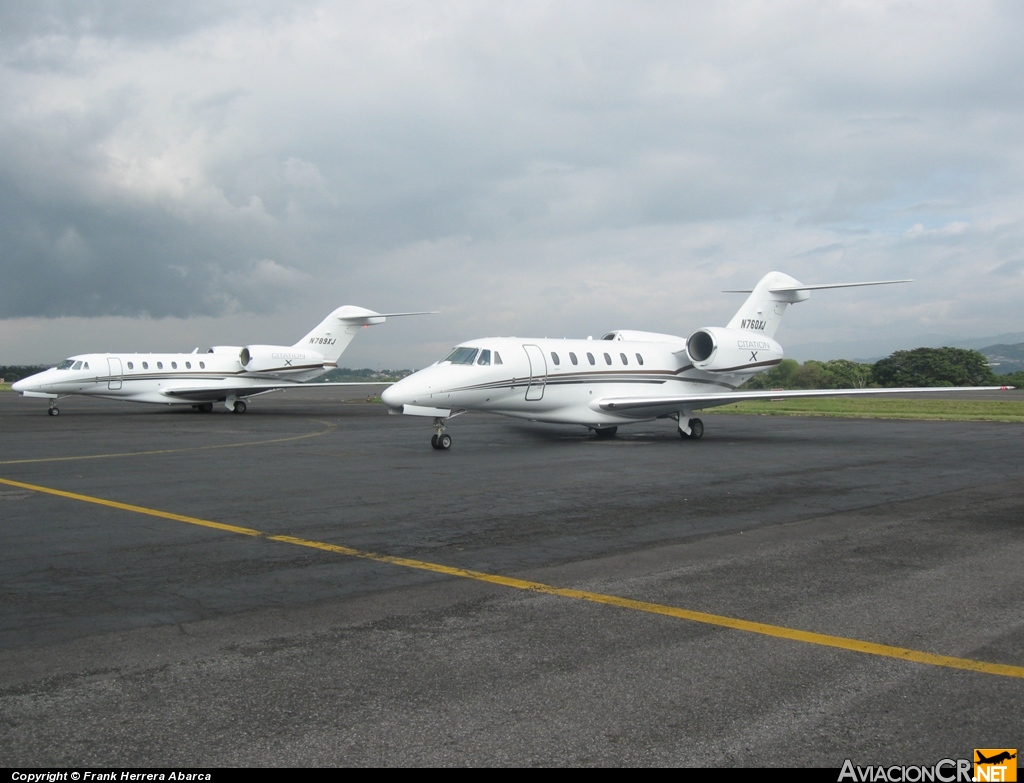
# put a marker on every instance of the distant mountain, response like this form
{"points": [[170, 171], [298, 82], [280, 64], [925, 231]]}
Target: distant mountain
{"points": [[1004, 358]]}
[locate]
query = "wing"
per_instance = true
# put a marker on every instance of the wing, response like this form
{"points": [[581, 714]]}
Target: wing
{"points": [[647, 407], [220, 392]]}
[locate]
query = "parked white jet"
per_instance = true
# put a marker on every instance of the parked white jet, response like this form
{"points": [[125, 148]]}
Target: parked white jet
{"points": [[226, 373], [625, 377]]}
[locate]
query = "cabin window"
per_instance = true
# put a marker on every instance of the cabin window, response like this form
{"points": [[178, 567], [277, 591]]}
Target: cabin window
{"points": [[555, 359], [174, 365], [159, 365], [188, 365], [77, 366], [131, 366], [572, 358], [145, 365], [640, 360], [202, 365], [461, 356], [607, 359], [590, 357], [497, 358], [624, 359], [485, 357]]}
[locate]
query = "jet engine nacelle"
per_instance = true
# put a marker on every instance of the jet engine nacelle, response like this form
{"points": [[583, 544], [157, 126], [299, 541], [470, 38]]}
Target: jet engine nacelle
{"points": [[718, 349], [278, 358]]}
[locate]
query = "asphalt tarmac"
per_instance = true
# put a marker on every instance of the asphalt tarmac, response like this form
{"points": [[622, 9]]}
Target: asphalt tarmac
{"points": [[311, 584]]}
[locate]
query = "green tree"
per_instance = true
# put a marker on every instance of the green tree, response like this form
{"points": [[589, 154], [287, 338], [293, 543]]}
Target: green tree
{"points": [[781, 376], [810, 375], [844, 374], [1011, 379], [934, 367]]}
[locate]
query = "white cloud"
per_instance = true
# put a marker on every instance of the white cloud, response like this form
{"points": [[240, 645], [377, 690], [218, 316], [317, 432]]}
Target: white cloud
{"points": [[562, 167]]}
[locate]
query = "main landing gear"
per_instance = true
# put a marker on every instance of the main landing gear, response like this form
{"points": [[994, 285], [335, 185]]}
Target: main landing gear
{"points": [[205, 407], [440, 440], [696, 430]]}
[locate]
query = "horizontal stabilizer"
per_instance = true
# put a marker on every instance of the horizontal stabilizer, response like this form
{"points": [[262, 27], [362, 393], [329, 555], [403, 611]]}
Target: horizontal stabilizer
{"points": [[818, 287], [372, 314]]}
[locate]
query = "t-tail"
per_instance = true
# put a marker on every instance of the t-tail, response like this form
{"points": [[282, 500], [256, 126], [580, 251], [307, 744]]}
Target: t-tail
{"points": [[332, 335], [767, 303]]}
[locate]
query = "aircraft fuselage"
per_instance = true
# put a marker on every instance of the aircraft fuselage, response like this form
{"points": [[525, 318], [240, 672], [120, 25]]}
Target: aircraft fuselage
{"points": [[158, 377], [559, 381]]}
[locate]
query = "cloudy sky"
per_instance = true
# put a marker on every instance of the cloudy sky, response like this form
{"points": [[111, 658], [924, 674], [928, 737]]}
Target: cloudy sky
{"points": [[183, 174]]}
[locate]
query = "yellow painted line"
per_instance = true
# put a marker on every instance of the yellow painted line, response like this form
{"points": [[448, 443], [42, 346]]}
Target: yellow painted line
{"points": [[328, 427], [764, 629], [245, 531]]}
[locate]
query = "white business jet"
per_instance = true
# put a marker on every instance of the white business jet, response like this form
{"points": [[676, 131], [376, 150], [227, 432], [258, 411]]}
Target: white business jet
{"points": [[626, 377], [226, 373]]}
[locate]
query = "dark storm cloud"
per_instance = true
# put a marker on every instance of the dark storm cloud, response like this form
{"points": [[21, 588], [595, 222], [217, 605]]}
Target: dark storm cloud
{"points": [[530, 163]]}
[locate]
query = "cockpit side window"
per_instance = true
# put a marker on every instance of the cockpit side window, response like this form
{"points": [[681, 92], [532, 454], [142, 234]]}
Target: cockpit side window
{"points": [[461, 356], [497, 358], [485, 357], [78, 366], [85, 366]]}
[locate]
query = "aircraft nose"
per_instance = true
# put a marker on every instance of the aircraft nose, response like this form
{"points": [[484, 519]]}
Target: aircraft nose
{"points": [[392, 397], [19, 386]]}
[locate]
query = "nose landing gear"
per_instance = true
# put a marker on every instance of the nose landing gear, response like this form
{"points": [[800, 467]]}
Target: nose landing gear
{"points": [[440, 440]]}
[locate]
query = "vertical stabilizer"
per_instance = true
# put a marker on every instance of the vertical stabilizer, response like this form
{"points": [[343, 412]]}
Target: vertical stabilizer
{"points": [[332, 335], [764, 308]]}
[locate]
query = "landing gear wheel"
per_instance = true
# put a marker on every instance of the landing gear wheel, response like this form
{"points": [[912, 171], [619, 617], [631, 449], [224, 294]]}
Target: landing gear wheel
{"points": [[206, 407], [604, 433], [54, 411], [696, 429], [239, 407], [440, 441]]}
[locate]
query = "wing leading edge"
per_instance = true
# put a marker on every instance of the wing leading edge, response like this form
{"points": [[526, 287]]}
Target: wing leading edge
{"points": [[220, 393], [644, 407]]}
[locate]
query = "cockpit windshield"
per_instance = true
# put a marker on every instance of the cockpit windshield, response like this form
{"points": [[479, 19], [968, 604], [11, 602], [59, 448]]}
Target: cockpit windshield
{"points": [[461, 356], [65, 365]]}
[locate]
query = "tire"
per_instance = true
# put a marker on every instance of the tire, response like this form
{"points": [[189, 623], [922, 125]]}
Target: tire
{"points": [[54, 412], [433, 441], [604, 433], [444, 442], [240, 407], [696, 429]]}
